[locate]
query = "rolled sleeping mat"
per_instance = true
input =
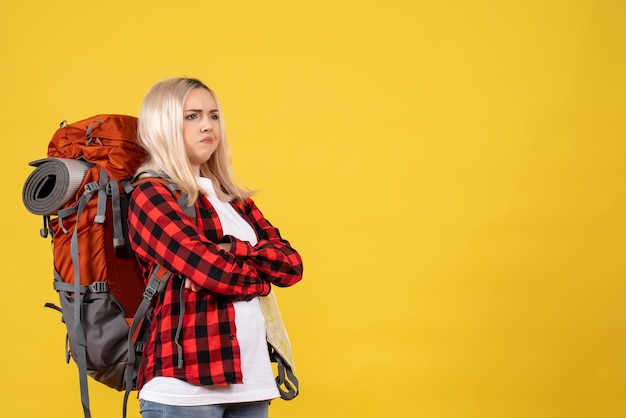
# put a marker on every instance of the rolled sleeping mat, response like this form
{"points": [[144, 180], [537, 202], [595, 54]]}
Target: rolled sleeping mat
{"points": [[52, 184]]}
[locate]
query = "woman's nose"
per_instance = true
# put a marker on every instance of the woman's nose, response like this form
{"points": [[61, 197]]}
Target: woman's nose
{"points": [[207, 125]]}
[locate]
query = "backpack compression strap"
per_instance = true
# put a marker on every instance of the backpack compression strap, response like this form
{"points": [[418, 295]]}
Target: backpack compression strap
{"points": [[81, 343], [112, 187]]}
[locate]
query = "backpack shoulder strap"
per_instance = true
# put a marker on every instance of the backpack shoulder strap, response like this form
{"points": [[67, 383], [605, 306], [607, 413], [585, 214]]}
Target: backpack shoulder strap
{"points": [[179, 194], [156, 284]]}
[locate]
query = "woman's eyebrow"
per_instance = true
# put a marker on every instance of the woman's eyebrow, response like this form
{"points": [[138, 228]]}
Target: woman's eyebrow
{"points": [[200, 110]]}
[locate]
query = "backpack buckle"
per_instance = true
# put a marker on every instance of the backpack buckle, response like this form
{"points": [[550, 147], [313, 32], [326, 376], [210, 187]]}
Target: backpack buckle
{"points": [[91, 187], [99, 287], [149, 292]]}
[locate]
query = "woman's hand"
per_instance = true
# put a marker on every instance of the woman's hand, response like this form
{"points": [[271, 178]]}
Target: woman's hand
{"points": [[224, 246], [189, 285]]}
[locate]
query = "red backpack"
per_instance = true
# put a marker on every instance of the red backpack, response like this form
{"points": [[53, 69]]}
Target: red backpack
{"points": [[82, 191]]}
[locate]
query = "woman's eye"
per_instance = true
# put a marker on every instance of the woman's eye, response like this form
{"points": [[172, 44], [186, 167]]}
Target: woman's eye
{"points": [[191, 116], [215, 117]]}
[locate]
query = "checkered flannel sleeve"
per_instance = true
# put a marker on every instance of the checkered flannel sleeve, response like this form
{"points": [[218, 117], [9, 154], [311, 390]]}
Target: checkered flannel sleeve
{"points": [[162, 234], [273, 257]]}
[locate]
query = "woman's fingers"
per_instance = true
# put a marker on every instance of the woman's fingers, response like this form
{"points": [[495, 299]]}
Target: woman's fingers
{"points": [[190, 285]]}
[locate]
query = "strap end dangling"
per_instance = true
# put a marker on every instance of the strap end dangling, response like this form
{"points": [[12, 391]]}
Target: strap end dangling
{"points": [[43, 232]]}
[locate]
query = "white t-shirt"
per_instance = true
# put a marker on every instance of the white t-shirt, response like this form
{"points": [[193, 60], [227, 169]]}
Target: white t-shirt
{"points": [[258, 376]]}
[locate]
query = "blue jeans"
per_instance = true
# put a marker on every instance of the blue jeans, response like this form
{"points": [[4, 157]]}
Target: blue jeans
{"points": [[232, 410]]}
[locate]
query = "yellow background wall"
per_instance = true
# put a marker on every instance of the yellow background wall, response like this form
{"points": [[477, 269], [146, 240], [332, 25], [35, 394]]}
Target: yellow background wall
{"points": [[451, 171]]}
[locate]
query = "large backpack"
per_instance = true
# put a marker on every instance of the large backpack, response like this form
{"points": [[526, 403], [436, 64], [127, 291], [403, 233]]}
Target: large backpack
{"points": [[82, 192]]}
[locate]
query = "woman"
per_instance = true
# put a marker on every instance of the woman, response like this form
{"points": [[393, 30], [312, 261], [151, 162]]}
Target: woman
{"points": [[206, 357]]}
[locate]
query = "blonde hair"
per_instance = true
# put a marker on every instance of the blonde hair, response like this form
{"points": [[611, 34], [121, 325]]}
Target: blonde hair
{"points": [[160, 132]]}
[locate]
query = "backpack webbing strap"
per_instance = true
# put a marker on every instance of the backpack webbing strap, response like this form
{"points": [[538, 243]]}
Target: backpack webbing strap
{"points": [[118, 232], [179, 327], [167, 181], [156, 284], [63, 213], [68, 287], [90, 129], [67, 335], [111, 186], [102, 198], [128, 187], [81, 343]]}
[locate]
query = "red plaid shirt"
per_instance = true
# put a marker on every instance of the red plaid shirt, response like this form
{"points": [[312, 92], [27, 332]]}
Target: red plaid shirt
{"points": [[161, 234]]}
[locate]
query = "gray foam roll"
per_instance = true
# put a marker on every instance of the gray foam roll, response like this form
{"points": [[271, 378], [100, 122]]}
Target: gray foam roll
{"points": [[52, 184]]}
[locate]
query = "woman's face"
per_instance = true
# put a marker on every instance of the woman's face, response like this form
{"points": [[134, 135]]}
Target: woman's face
{"points": [[201, 127]]}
